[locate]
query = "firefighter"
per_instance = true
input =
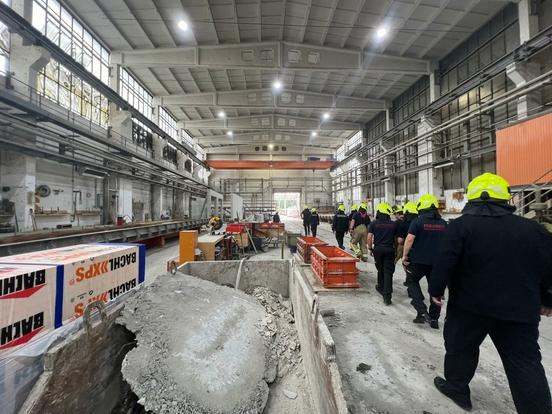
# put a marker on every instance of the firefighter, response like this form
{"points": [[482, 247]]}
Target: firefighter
{"points": [[354, 209], [314, 221], [382, 235], [423, 240], [358, 228], [398, 213], [276, 217], [410, 211], [340, 225], [498, 268], [305, 215]]}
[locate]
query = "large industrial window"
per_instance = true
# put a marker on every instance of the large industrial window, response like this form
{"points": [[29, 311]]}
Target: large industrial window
{"points": [[55, 22], [167, 123], [187, 139], [340, 153], [170, 153], [135, 94], [4, 45], [141, 134], [354, 141], [60, 85]]}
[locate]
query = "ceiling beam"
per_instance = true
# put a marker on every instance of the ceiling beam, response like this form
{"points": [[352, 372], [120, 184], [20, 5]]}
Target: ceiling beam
{"points": [[276, 122], [271, 137], [267, 165], [269, 99], [254, 149], [271, 55]]}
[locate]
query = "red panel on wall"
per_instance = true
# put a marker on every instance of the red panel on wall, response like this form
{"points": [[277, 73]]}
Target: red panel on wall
{"points": [[524, 151]]}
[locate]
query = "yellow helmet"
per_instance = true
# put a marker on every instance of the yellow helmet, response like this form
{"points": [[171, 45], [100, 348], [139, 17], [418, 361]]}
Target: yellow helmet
{"points": [[397, 209], [363, 206], [385, 208], [306, 206], [341, 207], [489, 186], [354, 207], [410, 207], [313, 210], [427, 201]]}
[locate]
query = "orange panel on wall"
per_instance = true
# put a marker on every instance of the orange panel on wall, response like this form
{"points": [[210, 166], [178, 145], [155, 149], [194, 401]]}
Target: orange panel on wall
{"points": [[524, 151]]}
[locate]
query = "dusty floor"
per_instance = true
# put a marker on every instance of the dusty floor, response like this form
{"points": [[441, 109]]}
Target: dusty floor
{"points": [[403, 357]]}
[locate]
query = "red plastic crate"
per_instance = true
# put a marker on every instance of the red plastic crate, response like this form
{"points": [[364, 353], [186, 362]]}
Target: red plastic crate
{"points": [[273, 226], [334, 267], [304, 244], [237, 227]]}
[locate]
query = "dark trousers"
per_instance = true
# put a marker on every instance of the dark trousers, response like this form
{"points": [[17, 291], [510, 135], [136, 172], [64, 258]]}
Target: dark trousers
{"points": [[414, 273], [313, 230], [385, 265], [339, 237], [307, 228], [517, 346]]}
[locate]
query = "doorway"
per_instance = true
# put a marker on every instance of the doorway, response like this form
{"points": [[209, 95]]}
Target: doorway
{"points": [[288, 204]]}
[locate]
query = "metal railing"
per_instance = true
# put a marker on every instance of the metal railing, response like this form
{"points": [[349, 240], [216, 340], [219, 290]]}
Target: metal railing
{"points": [[532, 193]]}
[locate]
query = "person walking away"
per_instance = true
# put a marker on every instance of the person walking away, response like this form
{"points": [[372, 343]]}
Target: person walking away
{"points": [[305, 215], [410, 211], [354, 209], [398, 213], [423, 240], [340, 225], [359, 232], [498, 268], [382, 234], [314, 221], [276, 218]]}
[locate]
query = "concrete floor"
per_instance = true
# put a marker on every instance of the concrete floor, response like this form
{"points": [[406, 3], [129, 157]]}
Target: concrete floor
{"points": [[404, 357]]}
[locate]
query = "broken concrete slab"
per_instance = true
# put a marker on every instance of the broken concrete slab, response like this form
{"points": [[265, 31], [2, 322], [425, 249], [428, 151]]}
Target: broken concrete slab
{"points": [[199, 348]]}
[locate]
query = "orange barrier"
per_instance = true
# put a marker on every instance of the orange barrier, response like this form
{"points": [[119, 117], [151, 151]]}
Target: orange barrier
{"points": [[334, 267]]}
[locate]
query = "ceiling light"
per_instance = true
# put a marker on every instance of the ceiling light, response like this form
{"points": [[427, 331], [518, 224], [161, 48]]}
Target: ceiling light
{"points": [[221, 114], [314, 133], [182, 25], [229, 133], [381, 32], [270, 146], [277, 85], [326, 115]]}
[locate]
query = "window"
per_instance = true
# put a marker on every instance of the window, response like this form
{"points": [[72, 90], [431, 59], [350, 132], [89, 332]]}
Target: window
{"points": [[135, 94], [58, 84], [167, 123], [4, 45], [200, 152], [354, 141], [141, 134], [170, 153], [340, 154], [187, 139], [57, 23]]}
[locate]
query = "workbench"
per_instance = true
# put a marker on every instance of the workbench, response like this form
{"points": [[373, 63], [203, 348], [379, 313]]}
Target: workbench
{"points": [[207, 243]]}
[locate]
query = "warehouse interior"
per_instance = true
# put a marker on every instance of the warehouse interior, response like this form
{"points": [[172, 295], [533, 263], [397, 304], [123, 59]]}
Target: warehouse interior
{"points": [[142, 122]]}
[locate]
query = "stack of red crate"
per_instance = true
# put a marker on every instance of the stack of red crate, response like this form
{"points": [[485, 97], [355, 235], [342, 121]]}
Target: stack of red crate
{"points": [[304, 244], [334, 267]]}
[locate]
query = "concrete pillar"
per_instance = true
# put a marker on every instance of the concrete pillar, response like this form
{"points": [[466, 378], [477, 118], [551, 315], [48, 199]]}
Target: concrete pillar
{"points": [[18, 176], [520, 73], [388, 116], [429, 181], [179, 204], [528, 19], [434, 84], [158, 145], [121, 122], [156, 201], [124, 199]]}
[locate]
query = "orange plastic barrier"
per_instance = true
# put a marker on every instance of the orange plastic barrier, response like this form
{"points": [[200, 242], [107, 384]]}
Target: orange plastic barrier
{"points": [[334, 267], [304, 244]]}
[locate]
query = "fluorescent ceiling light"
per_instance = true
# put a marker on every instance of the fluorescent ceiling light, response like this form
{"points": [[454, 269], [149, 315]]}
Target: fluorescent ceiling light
{"points": [[182, 25], [326, 115], [229, 133], [277, 85], [314, 133], [221, 114], [381, 32], [443, 164], [270, 146]]}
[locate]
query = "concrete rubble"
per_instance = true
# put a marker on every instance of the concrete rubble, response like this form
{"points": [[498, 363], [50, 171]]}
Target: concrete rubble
{"points": [[199, 350], [205, 348]]}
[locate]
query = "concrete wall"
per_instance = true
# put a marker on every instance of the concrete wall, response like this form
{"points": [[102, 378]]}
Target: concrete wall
{"points": [[273, 274]]}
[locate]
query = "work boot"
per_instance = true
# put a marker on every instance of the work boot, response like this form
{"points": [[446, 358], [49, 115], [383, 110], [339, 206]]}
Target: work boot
{"points": [[434, 323], [387, 301], [461, 400], [421, 318], [379, 290]]}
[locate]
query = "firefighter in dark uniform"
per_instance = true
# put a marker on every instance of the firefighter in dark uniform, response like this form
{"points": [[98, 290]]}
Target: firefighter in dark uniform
{"points": [[354, 209], [340, 225], [358, 227], [498, 268], [314, 221], [410, 212], [423, 240], [305, 215], [382, 233]]}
